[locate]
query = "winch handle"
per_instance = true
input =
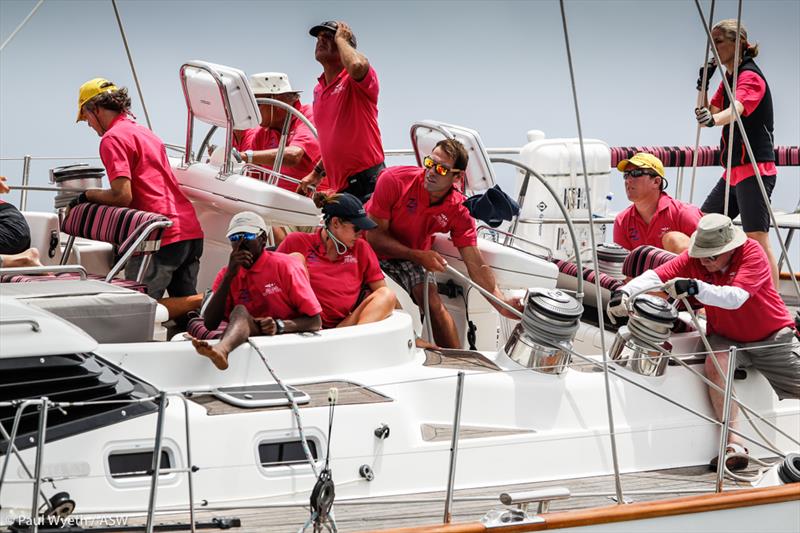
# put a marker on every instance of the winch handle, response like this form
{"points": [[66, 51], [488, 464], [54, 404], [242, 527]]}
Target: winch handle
{"points": [[489, 296]]}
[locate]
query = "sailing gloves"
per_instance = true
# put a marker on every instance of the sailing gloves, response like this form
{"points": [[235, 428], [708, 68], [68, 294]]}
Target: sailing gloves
{"points": [[681, 288], [80, 199], [704, 117], [712, 68], [617, 305]]}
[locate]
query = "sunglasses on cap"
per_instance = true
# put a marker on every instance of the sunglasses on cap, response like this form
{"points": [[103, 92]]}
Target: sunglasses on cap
{"points": [[236, 237], [439, 168], [638, 172]]}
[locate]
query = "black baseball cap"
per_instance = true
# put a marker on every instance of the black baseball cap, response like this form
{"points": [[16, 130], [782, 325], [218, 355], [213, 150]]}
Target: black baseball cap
{"points": [[329, 25], [349, 208]]}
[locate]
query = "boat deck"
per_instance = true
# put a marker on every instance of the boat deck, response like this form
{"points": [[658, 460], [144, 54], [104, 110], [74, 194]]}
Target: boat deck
{"points": [[469, 505]]}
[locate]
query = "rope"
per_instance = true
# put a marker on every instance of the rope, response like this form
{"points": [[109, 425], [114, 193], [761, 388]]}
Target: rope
{"points": [[702, 97], [731, 126]]}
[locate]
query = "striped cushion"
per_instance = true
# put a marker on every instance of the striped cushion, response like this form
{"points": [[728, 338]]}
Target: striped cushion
{"points": [[644, 258], [68, 276], [571, 269], [198, 330], [707, 156], [119, 226]]}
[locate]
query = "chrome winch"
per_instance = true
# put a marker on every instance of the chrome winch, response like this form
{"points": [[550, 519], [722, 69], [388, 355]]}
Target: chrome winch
{"points": [[642, 344], [543, 339], [74, 179], [610, 258]]}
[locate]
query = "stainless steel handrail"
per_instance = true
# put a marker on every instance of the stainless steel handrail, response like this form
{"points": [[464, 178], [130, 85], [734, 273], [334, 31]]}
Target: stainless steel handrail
{"points": [[16, 321], [57, 269], [509, 243]]}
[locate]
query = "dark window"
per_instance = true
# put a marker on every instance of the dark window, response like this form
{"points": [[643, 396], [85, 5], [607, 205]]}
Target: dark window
{"points": [[285, 453], [135, 464]]}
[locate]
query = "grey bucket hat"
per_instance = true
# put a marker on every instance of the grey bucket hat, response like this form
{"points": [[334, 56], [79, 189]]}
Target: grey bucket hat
{"points": [[715, 235]]}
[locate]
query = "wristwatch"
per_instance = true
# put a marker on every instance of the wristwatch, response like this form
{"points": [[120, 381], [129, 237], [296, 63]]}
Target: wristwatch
{"points": [[280, 326], [249, 155]]}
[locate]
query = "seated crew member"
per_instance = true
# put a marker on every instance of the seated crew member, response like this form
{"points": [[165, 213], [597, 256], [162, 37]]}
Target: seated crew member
{"points": [[410, 204], [340, 262], [729, 273], [15, 235], [141, 178], [258, 293], [654, 218]]}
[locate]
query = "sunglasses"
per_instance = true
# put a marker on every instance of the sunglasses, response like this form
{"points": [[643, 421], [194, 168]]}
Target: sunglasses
{"points": [[710, 258], [439, 168], [638, 173], [236, 237]]}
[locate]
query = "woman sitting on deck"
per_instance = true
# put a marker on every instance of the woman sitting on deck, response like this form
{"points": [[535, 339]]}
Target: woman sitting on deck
{"points": [[340, 262]]}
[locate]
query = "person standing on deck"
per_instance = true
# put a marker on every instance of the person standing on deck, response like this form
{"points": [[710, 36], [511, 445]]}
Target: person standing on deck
{"points": [[409, 206], [346, 115], [141, 178], [729, 274], [655, 218], [753, 101]]}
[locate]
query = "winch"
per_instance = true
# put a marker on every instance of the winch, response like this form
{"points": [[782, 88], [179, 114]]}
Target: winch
{"points": [[637, 344], [543, 339], [610, 258], [74, 179]]}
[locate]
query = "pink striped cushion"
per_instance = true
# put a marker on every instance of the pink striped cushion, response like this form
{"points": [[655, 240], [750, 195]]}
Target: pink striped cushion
{"points": [[115, 225], [125, 283], [644, 258], [197, 329], [707, 156], [571, 269]]}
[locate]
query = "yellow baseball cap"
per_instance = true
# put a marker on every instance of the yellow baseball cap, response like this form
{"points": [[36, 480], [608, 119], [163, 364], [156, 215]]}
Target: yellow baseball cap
{"points": [[643, 160], [92, 88]]}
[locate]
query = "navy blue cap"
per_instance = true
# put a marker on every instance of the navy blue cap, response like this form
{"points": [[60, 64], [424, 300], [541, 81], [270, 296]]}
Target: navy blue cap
{"points": [[330, 25], [492, 207], [349, 208]]}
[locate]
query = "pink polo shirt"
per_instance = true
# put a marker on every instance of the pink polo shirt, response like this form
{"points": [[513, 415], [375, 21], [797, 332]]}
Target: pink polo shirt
{"points": [[630, 229], [346, 117], [761, 315], [275, 286], [750, 89], [337, 283], [401, 198], [129, 150]]}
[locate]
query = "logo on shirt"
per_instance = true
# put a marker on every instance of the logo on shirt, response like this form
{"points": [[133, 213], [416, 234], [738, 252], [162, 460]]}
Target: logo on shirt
{"points": [[442, 220], [271, 288], [411, 205], [339, 88], [244, 296], [350, 259], [633, 234], [312, 257], [664, 230]]}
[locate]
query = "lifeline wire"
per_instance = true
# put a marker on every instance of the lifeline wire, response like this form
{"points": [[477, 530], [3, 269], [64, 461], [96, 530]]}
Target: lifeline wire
{"points": [[615, 460]]}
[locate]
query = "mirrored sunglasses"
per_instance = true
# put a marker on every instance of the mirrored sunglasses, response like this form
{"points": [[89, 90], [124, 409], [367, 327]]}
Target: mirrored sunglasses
{"points": [[236, 237], [439, 168], [637, 173]]}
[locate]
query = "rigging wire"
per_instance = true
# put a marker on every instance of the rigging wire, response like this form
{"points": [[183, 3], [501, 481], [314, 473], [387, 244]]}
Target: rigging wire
{"points": [[130, 60], [702, 96], [731, 125], [21, 24]]}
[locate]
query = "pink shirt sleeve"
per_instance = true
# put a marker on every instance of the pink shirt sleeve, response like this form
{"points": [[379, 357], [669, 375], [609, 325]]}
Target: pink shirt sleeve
{"points": [[290, 245], [115, 158], [367, 257], [753, 270], [387, 191], [688, 218], [462, 230], [304, 139], [750, 89], [620, 235], [300, 293], [369, 85], [674, 268], [716, 100]]}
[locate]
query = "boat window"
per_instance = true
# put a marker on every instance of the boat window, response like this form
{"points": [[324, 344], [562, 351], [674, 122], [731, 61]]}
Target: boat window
{"points": [[135, 464], [285, 453]]}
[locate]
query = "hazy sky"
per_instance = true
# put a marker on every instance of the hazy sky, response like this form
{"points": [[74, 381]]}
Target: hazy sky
{"points": [[498, 67]]}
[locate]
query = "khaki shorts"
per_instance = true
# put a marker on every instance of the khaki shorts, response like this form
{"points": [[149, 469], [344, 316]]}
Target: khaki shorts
{"points": [[777, 357]]}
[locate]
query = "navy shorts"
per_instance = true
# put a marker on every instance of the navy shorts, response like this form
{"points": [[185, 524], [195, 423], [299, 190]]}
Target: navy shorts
{"points": [[15, 235], [745, 199], [173, 268]]}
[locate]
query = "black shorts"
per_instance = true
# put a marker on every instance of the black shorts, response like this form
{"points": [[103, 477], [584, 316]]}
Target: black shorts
{"points": [[15, 235], [745, 199], [173, 268], [362, 184]]}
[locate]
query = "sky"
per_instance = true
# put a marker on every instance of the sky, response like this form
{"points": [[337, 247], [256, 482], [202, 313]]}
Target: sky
{"points": [[497, 67]]}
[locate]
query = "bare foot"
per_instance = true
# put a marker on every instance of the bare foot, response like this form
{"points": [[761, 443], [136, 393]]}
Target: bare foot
{"points": [[425, 345], [217, 357], [29, 257]]}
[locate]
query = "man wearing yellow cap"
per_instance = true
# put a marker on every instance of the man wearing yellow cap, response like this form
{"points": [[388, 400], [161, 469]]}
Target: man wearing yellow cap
{"points": [[655, 218], [141, 178]]}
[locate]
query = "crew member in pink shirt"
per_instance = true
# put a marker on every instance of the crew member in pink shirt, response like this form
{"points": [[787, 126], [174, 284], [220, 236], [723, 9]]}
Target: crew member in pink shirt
{"points": [[258, 293], [260, 145], [753, 102], [409, 206], [346, 115], [654, 218], [340, 263], [729, 274], [141, 178]]}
